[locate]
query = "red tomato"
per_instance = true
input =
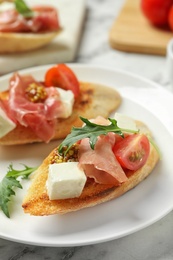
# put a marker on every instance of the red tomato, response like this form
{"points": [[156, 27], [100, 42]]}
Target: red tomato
{"points": [[132, 152], [156, 11], [170, 18], [63, 77]]}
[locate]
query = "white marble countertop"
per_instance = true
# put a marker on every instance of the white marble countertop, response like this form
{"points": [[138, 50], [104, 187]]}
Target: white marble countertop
{"points": [[155, 241]]}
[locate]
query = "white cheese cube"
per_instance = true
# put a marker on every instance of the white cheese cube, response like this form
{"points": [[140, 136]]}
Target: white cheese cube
{"points": [[125, 122], [5, 6], [65, 180], [67, 98], [6, 124]]}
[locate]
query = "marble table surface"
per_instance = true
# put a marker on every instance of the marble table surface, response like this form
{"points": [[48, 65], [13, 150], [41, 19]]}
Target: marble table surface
{"points": [[155, 241]]}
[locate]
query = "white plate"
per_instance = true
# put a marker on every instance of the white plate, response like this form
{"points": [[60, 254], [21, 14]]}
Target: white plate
{"points": [[140, 207]]}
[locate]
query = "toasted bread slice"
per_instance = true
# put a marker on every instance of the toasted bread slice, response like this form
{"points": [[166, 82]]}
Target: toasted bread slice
{"points": [[36, 201], [94, 100], [22, 42]]}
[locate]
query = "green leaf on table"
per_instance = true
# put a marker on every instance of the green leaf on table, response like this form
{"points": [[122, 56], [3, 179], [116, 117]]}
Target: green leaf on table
{"points": [[9, 183]]}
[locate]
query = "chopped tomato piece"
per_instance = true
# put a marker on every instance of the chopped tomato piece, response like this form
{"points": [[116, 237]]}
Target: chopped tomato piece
{"points": [[132, 152], [63, 77]]}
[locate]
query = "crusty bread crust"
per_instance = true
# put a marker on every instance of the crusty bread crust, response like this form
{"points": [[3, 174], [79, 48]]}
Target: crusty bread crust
{"points": [[36, 201], [94, 100], [23, 42]]}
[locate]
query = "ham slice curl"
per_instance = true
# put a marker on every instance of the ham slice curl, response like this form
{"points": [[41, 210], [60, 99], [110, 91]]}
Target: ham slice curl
{"points": [[45, 19], [101, 163], [41, 116]]}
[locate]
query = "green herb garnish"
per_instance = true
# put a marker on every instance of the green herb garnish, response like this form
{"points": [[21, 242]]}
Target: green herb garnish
{"points": [[9, 182], [92, 131], [23, 9]]}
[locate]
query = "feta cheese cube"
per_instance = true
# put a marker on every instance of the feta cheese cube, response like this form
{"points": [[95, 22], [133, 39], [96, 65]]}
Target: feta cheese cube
{"points": [[67, 99], [6, 124], [125, 122], [5, 6], [65, 180]]}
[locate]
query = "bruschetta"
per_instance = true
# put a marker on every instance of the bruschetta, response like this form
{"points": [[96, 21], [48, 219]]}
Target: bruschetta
{"points": [[24, 29], [94, 164], [41, 111]]}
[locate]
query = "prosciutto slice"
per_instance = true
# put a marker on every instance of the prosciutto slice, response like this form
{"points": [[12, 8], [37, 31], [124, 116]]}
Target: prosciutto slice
{"points": [[45, 19], [11, 21], [40, 117], [101, 163]]}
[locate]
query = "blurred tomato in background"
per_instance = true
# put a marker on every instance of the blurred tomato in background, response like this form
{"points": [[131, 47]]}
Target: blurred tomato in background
{"points": [[157, 11], [170, 18]]}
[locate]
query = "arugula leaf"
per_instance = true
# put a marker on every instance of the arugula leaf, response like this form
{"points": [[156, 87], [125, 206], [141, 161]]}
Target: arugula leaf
{"points": [[9, 182], [23, 173], [23, 9], [6, 191], [92, 131]]}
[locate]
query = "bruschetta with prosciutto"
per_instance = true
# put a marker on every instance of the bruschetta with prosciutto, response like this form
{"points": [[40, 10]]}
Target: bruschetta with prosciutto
{"points": [[41, 111], [24, 28], [94, 164]]}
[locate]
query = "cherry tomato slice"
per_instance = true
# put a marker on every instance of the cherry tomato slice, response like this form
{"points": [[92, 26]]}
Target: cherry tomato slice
{"points": [[63, 77], [132, 152]]}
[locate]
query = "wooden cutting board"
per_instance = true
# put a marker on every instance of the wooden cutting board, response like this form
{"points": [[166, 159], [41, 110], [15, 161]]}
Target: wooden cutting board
{"points": [[132, 32]]}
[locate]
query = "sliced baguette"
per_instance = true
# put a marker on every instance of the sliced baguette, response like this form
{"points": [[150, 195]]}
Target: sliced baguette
{"points": [[22, 42], [94, 100], [36, 201]]}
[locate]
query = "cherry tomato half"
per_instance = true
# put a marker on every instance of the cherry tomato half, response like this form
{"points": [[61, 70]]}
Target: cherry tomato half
{"points": [[63, 77], [156, 11], [132, 152]]}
